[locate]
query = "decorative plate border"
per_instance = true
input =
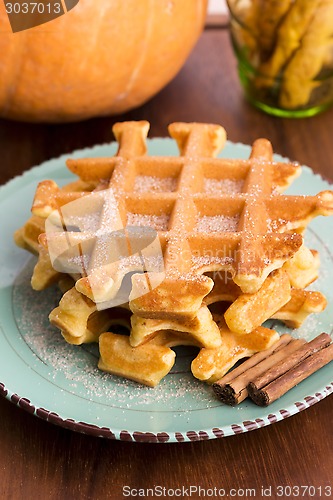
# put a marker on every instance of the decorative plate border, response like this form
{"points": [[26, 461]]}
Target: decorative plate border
{"points": [[165, 437]]}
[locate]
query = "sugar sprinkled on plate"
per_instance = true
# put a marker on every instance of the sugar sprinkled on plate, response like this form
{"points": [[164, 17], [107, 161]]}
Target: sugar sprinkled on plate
{"points": [[74, 368]]}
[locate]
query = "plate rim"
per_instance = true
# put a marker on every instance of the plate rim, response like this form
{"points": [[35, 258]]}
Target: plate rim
{"points": [[163, 436]]}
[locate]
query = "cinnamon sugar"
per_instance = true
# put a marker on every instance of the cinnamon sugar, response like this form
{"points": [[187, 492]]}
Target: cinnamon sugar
{"points": [[222, 186], [209, 260], [217, 224], [157, 222], [150, 184]]}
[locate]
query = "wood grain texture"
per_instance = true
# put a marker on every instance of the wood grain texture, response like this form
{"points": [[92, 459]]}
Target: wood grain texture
{"points": [[40, 460]]}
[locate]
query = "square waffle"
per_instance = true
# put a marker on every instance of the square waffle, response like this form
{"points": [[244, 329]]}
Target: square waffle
{"points": [[210, 214], [225, 231]]}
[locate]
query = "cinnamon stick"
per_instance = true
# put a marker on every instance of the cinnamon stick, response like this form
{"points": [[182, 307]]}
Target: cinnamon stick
{"points": [[303, 369], [286, 364], [232, 388]]}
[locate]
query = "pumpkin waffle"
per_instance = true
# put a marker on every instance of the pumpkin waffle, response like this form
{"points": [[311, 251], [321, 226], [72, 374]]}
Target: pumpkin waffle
{"points": [[248, 311], [210, 214], [150, 362], [27, 236], [278, 298], [211, 364], [301, 304], [73, 313], [298, 273], [193, 232], [74, 316], [32, 235], [79, 320], [202, 328]]}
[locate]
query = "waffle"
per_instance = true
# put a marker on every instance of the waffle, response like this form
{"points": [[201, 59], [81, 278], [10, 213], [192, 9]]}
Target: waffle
{"points": [[49, 196], [248, 311], [278, 299], [150, 362], [246, 228], [196, 232], [79, 320], [27, 236], [211, 364], [202, 328], [301, 304], [75, 313], [32, 235]]}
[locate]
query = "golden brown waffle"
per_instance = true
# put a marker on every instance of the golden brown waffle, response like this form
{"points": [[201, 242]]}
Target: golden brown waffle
{"points": [[251, 310], [302, 269], [226, 234], [209, 213], [211, 364], [240, 317], [146, 364], [202, 329], [79, 320], [150, 362], [32, 235], [248, 311], [275, 299], [301, 304], [27, 236], [49, 196]]}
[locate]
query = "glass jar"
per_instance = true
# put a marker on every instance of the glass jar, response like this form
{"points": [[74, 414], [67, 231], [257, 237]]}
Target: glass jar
{"points": [[285, 54]]}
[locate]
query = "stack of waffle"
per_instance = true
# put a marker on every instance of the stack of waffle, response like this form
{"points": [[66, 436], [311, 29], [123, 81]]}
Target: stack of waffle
{"points": [[188, 250]]}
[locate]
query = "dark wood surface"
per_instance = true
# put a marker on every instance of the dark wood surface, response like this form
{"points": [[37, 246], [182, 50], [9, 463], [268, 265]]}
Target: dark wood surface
{"points": [[40, 460]]}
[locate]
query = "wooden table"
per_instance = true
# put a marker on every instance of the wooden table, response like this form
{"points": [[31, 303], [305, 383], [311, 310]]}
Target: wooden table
{"points": [[40, 460]]}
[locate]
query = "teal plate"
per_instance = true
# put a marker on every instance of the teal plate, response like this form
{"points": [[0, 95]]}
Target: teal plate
{"points": [[60, 383]]}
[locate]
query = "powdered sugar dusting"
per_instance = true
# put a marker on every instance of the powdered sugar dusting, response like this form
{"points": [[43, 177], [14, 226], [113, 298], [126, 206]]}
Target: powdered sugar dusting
{"points": [[200, 261], [148, 184], [157, 222], [88, 222], [274, 225], [222, 186], [217, 224], [142, 263]]}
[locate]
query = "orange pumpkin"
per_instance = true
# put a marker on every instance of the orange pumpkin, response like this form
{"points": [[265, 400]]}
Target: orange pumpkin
{"points": [[102, 57]]}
